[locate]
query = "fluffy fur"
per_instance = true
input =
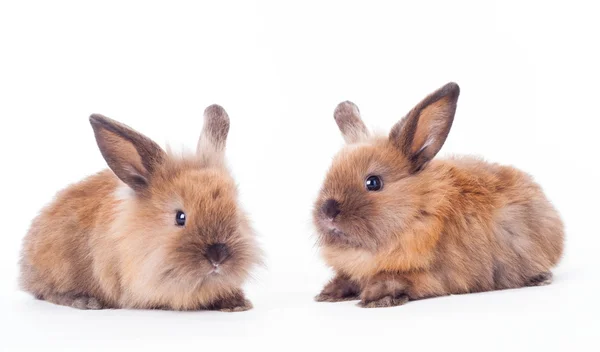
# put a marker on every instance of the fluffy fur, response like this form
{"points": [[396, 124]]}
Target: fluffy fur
{"points": [[437, 227], [111, 240]]}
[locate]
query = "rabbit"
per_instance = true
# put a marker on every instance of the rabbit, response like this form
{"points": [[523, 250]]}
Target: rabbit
{"points": [[397, 225], [156, 231]]}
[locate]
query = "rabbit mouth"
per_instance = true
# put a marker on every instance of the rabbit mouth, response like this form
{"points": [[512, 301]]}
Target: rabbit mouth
{"points": [[215, 271], [332, 234], [336, 232], [326, 225], [331, 228]]}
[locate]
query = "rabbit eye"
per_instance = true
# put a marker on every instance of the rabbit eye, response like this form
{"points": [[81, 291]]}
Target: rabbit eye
{"points": [[180, 218], [373, 183]]}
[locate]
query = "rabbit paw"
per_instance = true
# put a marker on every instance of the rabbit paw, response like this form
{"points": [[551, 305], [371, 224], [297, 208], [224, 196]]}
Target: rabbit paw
{"points": [[387, 301], [75, 301], [384, 290], [540, 280], [234, 303], [340, 288]]}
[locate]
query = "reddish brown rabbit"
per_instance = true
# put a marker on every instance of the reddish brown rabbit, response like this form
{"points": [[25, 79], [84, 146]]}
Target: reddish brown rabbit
{"points": [[158, 231], [397, 225]]}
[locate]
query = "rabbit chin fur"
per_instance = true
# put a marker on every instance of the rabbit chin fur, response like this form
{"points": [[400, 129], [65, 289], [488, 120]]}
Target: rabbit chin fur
{"points": [[437, 226]]}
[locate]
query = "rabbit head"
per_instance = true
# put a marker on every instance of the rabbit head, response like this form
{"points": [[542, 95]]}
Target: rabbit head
{"points": [[373, 189], [180, 227]]}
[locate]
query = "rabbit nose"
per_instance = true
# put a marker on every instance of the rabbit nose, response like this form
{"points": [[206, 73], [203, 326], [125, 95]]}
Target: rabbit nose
{"points": [[217, 253], [331, 208]]}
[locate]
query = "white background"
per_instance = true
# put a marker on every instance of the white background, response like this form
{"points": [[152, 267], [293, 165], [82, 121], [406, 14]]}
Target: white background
{"points": [[529, 97]]}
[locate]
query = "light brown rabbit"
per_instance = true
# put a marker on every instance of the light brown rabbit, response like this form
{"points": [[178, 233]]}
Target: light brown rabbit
{"points": [[158, 231], [397, 225]]}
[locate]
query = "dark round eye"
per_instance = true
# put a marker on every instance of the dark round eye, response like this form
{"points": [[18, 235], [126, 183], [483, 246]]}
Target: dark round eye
{"points": [[373, 183], [180, 218]]}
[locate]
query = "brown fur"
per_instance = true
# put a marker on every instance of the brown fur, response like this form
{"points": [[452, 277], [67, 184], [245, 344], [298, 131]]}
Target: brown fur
{"points": [[111, 240], [437, 227]]}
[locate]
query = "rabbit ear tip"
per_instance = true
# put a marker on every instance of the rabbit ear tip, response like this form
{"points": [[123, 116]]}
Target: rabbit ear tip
{"points": [[452, 89], [347, 112], [347, 116], [96, 118], [346, 108], [215, 111]]}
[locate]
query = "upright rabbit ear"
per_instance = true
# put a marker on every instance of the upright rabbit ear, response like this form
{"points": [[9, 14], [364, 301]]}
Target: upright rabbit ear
{"points": [[132, 156], [347, 117], [211, 145], [422, 133]]}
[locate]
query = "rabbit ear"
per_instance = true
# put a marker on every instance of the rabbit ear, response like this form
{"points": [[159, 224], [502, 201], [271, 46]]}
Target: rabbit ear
{"points": [[211, 145], [132, 156], [347, 117], [422, 133]]}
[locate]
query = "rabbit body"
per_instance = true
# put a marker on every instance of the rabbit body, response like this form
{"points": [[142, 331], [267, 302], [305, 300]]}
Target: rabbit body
{"points": [[113, 240], [435, 227]]}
